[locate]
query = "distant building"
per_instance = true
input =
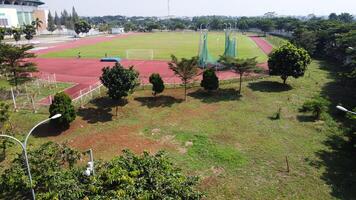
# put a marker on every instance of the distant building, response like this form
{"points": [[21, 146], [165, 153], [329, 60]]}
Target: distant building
{"points": [[15, 13], [117, 30]]}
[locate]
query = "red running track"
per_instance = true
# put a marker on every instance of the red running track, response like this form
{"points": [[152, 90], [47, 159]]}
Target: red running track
{"points": [[266, 47], [86, 72]]}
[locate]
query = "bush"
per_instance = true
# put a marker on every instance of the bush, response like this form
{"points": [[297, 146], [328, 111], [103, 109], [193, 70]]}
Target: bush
{"points": [[62, 104], [157, 84], [210, 80], [128, 176], [316, 106]]}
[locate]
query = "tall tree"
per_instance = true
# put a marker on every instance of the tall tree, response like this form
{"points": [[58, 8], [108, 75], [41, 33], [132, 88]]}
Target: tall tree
{"points": [[240, 66], [57, 21], [266, 25], [14, 61], [75, 16], [333, 16], [288, 60], [82, 27], [51, 25], [305, 39], [185, 69], [346, 17], [119, 81]]}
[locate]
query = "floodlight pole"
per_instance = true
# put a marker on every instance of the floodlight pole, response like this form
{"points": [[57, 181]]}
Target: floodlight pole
{"points": [[24, 149], [201, 28]]}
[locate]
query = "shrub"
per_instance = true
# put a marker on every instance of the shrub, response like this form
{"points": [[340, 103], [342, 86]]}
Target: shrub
{"points": [[157, 84], [316, 106], [210, 80], [128, 176], [62, 104]]}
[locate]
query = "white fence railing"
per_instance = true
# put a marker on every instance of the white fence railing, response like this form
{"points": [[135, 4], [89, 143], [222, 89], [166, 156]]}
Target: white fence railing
{"points": [[85, 95]]}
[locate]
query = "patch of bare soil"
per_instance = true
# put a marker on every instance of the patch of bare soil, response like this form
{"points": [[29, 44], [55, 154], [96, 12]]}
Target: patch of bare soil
{"points": [[114, 141]]}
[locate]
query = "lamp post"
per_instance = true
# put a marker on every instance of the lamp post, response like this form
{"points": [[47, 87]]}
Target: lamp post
{"points": [[345, 110], [24, 148]]}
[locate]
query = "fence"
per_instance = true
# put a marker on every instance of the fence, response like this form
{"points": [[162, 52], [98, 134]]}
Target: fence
{"points": [[85, 95], [30, 95]]}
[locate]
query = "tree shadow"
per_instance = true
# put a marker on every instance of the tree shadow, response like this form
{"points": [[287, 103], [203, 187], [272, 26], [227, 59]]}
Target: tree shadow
{"points": [[269, 86], [159, 101], [50, 129], [306, 118], [338, 158], [228, 94], [100, 110], [339, 163]]}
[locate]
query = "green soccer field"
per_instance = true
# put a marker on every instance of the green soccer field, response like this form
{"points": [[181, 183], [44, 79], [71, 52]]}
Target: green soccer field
{"points": [[181, 44]]}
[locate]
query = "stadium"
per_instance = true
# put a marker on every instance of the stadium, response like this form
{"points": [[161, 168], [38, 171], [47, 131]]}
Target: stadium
{"points": [[15, 13]]}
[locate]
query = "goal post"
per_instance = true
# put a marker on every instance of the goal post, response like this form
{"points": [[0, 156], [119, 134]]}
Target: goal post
{"points": [[140, 54]]}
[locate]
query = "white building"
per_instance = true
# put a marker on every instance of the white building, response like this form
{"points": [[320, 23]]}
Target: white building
{"points": [[15, 13], [117, 30]]}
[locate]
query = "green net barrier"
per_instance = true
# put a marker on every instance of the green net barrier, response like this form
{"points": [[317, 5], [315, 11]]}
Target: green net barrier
{"points": [[205, 58], [230, 45]]}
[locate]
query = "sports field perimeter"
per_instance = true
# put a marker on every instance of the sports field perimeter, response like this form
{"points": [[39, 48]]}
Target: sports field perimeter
{"points": [[181, 44]]}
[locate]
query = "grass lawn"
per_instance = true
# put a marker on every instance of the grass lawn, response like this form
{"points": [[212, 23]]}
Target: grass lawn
{"points": [[181, 44], [231, 141]]}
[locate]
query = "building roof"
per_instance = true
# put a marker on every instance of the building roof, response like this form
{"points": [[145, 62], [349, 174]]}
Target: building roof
{"points": [[22, 2], [38, 2]]}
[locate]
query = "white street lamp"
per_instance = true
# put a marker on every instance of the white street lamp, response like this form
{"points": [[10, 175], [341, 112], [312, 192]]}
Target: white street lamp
{"points": [[24, 149], [345, 110]]}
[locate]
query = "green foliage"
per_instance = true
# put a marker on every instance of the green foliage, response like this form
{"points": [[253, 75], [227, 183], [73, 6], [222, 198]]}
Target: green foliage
{"points": [[126, 177], [29, 31], [82, 27], [51, 176], [4, 113], [62, 104], [157, 84], [14, 62], [305, 39], [16, 33], [37, 23], [51, 26], [119, 81], [240, 66], [2, 33], [266, 25], [288, 60], [316, 106], [210, 80], [185, 69]]}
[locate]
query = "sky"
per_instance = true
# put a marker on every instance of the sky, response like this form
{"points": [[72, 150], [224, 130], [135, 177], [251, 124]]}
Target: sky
{"points": [[202, 7]]}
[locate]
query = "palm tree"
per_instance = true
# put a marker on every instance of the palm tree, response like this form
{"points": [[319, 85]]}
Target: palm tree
{"points": [[37, 24], [185, 69], [240, 66]]}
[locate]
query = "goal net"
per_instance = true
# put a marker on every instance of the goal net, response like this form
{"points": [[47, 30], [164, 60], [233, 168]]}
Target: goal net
{"points": [[140, 54]]}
